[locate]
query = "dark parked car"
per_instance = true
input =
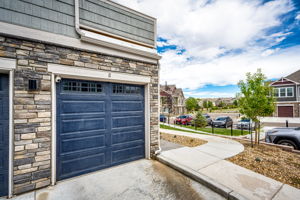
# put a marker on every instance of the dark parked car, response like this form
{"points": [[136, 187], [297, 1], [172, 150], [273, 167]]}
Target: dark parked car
{"points": [[163, 118], [184, 119], [208, 119], [222, 122], [284, 136]]}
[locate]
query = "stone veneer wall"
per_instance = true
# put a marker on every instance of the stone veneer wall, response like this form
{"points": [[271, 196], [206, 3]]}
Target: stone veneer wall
{"points": [[32, 110]]}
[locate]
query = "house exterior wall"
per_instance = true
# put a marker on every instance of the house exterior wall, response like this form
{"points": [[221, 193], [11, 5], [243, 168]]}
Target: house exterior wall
{"points": [[32, 110], [59, 17]]}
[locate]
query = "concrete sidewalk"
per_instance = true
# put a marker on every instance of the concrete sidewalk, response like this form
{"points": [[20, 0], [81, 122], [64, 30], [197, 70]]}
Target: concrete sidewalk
{"points": [[142, 179], [206, 164]]}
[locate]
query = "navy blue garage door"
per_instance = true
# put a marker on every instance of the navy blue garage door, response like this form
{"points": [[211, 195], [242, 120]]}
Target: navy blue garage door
{"points": [[99, 125], [4, 134]]}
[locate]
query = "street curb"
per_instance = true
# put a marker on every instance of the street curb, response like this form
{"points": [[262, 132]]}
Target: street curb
{"points": [[208, 182]]}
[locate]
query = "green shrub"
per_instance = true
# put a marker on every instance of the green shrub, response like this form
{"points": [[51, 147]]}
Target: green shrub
{"points": [[199, 120]]}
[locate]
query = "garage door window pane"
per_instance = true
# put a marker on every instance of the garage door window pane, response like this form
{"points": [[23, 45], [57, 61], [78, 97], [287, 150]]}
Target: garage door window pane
{"points": [[290, 92], [125, 89], [73, 86]]}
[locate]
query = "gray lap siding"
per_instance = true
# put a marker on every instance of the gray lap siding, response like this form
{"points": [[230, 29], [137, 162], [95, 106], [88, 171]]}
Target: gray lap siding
{"points": [[32, 109]]}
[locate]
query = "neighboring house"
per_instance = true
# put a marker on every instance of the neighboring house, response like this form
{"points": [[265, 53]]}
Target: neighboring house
{"points": [[287, 93], [78, 80], [172, 100], [216, 101]]}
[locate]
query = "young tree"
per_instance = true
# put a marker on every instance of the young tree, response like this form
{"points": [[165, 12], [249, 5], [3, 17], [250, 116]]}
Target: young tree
{"points": [[221, 104], [235, 103], [205, 104], [199, 120], [255, 99], [191, 104]]}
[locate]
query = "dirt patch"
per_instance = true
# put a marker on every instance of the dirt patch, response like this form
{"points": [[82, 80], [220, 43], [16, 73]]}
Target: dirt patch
{"points": [[183, 140], [270, 161]]}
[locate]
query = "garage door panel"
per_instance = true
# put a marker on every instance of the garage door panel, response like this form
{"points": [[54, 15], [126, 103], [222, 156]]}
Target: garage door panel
{"points": [[82, 134], [285, 111], [127, 154], [98, 130], [2, 134], [4, 115], [79, 166], [80, 144], [126, 97], [127, 106], [83, 125], [83, 107], [119, 122], [128, 136], [2, 159]]}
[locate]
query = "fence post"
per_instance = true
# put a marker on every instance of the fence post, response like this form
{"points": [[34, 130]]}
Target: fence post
{"points": [[212, 127], [258, 132], [231, 129], [250, 131]]}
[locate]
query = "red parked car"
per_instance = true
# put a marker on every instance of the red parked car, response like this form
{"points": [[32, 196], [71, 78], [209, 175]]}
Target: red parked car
{"points": [[184, 119]]}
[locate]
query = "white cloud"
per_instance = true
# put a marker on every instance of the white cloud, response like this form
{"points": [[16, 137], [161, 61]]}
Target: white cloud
{"points": [[269, 52], [298, 17], [209, 30], [229, 69]]}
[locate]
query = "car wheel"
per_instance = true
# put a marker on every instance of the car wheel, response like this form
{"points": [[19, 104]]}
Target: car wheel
{"points": [[287, 143]]}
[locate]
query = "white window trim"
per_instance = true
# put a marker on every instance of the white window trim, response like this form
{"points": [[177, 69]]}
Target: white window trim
{"points": [[279, 94], [8, 66], [96, 75]]}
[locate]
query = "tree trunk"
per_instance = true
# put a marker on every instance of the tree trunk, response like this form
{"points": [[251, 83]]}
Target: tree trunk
{"points": [[256, 133]]}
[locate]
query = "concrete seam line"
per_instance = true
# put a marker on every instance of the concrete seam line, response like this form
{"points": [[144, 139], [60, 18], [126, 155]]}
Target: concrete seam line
{"points": [[208, 182], [236, 196], [278, 191]]}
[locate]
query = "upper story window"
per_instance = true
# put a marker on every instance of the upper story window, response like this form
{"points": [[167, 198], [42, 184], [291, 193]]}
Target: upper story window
{"points": [[284, 92]]}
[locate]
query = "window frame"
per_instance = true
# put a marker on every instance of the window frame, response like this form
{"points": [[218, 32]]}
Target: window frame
{"points": [[124, 89], [285, 92], [82, 87]]}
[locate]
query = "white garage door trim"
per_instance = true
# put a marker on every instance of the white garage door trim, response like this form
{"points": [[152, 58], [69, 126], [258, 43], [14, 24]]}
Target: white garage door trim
{"points": [[96, 75], [8, 65]]}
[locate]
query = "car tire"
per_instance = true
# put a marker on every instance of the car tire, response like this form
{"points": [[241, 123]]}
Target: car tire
{"points": [[288, 143]]}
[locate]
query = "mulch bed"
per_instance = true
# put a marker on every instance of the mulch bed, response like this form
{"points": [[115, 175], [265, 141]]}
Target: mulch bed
{"points": [[270, 161], [182, 140]]}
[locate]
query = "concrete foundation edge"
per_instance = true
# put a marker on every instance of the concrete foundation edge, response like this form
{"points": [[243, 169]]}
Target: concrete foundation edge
{"points": [[206, 181]]}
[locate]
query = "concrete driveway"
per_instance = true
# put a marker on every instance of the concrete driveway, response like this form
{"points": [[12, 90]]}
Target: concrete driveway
{"points": [[143, 179]]}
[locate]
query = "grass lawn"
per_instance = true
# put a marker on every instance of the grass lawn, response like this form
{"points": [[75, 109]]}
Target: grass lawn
{"points": [[175, 129], [218, 131]]}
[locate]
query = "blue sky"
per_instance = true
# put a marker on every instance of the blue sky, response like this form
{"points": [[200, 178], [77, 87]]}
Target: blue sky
{"points": [[207, 46]]}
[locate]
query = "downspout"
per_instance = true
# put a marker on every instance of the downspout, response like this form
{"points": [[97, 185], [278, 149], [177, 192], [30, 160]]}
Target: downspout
{"points": [[77, 27], [157, 152]]}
